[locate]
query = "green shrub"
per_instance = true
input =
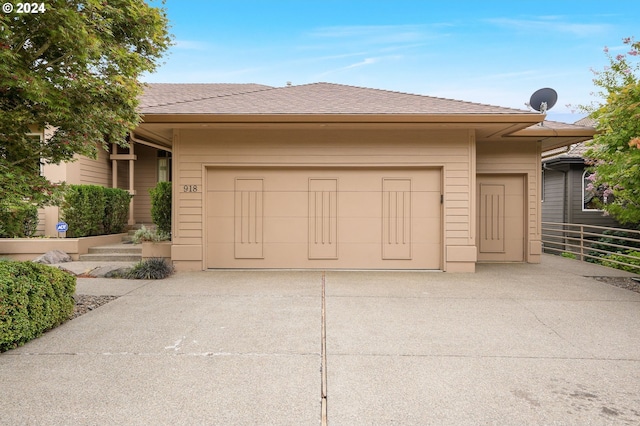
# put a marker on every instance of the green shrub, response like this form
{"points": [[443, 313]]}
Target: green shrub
{"points": [[569, 255], [33, 299], [116, 210], [18, 220], [161, 206], [95, 210], [634, 262], [609, 237], [83, 210], [155, 268], [146, 234]]}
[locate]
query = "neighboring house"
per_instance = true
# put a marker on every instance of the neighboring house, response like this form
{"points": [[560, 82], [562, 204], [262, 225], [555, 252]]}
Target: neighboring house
{"points": [[332, 176], [567, 196]]}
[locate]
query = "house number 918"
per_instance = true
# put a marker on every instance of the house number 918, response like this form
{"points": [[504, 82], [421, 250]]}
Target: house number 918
{"points": [[190, 188]]}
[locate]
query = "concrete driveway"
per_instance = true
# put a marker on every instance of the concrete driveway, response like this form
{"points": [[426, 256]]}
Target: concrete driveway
{"points": [[511, 344]]}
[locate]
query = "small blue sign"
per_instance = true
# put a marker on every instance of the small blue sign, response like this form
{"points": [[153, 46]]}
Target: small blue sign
{"points": [[62, 227]]}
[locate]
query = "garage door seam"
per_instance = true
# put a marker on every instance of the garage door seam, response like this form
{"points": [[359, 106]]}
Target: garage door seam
{"points": [[323, 367]]}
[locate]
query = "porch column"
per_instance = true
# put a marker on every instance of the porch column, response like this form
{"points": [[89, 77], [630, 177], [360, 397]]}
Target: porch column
{"points": [[132, 190], [114, 178], [114, 166]]}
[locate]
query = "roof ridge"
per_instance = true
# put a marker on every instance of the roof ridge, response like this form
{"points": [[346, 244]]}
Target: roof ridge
{"points": [[410, 94], [266, 88], [306, 98]]}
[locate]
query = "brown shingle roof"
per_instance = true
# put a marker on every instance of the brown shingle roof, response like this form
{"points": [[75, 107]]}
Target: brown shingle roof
{"points": [[167, 94], [577, 150], [316, 98], [587, 122]]}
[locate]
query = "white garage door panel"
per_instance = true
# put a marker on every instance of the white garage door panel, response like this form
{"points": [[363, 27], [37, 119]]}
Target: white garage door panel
{"points": [[292, 218]]}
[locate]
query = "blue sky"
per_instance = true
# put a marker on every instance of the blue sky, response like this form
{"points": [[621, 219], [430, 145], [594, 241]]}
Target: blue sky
{"points": [[494, 52]]}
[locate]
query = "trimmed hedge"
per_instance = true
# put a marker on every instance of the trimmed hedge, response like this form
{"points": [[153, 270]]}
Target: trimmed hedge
{"points": [[34, 298], [83, 210], [161, 206], [18, 220], [116, 210], [95, 210]]}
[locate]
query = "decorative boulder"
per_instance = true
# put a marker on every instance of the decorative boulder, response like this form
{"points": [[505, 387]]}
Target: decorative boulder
{"points": [[52, 257]]}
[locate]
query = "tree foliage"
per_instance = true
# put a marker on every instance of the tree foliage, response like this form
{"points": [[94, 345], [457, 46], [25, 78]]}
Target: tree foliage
{"points": [[73, 69], [614, 154]]}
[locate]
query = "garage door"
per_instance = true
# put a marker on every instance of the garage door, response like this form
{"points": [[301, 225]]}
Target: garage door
{"points": [[329, 218]]}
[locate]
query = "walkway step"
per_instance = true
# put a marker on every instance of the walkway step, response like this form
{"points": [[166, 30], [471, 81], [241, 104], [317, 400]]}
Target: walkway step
{"points": [[119, 249], [113, 257], [113, 253]]}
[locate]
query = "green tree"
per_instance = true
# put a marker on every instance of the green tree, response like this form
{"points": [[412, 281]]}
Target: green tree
{"points": [[614, 154], [73, 68]]}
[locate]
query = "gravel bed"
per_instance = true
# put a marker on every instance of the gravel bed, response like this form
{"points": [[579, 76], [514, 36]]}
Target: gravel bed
{"points": [[85, 303], [622, 282]]}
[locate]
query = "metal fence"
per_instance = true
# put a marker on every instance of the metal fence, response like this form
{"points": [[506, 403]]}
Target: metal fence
{"points": [[598, 244]]}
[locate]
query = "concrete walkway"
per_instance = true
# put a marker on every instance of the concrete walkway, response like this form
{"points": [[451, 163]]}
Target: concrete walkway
{"points": [[511, 344]]}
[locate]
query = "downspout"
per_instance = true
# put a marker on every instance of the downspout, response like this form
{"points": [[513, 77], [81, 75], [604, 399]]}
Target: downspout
{"points": [[568, 215], [567, 209]]}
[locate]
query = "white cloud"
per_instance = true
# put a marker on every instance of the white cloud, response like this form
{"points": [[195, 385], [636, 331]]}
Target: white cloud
{"points": [[365, 62], [376, 34], [547, 24]]}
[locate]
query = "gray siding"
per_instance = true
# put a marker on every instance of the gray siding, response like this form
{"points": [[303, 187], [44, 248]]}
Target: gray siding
{"points": [[552, 205]]}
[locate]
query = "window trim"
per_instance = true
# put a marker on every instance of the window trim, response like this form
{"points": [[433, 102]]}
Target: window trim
{"points": [[584, 177]]}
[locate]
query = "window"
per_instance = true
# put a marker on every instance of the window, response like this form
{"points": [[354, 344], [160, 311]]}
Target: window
{"points": [[594, 196], [164, 166]]}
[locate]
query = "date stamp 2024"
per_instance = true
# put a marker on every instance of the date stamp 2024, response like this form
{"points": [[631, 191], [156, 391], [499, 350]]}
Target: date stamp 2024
{"points": [[24, 8]]}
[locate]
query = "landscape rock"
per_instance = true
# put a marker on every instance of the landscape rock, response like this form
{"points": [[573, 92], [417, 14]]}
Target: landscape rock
{"points": [[52, 257], [110, 272]]}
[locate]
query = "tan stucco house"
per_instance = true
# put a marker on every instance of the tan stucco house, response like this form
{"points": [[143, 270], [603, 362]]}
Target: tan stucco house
{"points": [[332, 176]]}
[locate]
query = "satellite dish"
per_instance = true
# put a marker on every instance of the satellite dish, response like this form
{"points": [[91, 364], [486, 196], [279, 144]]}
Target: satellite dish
{"points": [[543, 100]]}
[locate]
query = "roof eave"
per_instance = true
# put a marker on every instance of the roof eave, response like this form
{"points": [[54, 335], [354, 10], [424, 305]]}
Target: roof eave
{"points": [[525, 119], [563, 159], [486, 126], [542, 131], [552, 138]]}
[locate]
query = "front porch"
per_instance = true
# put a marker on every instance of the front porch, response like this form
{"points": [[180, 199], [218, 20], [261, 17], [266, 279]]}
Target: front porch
{"points": [[136, 169]]}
